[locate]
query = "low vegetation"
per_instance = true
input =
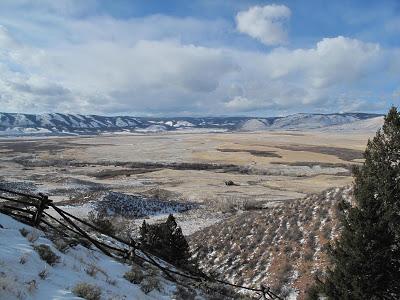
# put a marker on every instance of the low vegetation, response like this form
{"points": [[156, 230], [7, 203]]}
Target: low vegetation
{"points": [[135, 275], [283, 247], [87, 291], [46, 254]]}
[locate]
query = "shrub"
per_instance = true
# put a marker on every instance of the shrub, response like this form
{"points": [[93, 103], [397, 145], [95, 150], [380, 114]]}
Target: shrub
{"points": [[43, 274], [251, 204], [288, 249], [312, 293], [91, 270], [101, 223], [47, 254], [326, 231], [33, 236], [61, 245], [135, 276], [149, 284], [183, 293], [23, 259], [308, 255], [32, 286], [111, 281], [217, 291], [24, 232], [10, 285], [87, 291]]}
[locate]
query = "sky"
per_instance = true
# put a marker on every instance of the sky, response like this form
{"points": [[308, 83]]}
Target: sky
{"points": [[199, 57]]}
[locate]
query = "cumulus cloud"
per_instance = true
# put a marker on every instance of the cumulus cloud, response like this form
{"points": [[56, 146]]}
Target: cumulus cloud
{"points": [[306, 77], [330, 62], [240, 103], [151, 65], [265, 23], [105, 75]]}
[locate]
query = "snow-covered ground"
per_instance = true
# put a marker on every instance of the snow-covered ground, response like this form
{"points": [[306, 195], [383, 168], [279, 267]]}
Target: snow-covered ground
{"points": [[20, 266]]}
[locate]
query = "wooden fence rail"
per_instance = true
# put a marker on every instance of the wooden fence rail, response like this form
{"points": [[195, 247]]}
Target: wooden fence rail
{"points": [[27, 208], [31, 209]]}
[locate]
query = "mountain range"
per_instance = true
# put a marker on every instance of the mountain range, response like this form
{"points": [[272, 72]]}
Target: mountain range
{"points": [[14, 124]]}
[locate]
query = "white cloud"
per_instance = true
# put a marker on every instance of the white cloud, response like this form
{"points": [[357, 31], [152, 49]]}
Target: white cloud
{"points": [[150, 65], [331, 61], [240, 103], [306, 77], [112, 76], [265, 23]]}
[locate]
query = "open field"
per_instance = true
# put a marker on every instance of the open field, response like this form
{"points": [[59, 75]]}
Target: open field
{"points": [[265, 168], [244, 199]]}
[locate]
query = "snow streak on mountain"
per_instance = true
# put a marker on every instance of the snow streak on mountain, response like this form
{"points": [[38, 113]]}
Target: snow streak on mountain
{"points": [[66, 124]]}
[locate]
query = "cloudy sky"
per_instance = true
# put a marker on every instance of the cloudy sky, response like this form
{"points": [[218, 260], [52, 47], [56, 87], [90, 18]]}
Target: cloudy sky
{"points": [[199, 57]]}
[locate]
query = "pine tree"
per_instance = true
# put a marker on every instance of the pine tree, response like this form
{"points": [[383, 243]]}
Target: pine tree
{"points": [[166, 240], [366, 257], [178, 243]]}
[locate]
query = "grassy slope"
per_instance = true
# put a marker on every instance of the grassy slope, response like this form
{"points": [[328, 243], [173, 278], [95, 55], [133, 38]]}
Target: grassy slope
{"points": [[282, 247]]}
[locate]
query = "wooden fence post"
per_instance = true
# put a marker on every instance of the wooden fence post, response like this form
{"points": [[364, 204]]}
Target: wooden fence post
{"points": [[43, 204]]}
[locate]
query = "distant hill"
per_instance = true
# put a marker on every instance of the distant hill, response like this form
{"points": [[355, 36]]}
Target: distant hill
{"points": [[13, 124], [372, 124]]}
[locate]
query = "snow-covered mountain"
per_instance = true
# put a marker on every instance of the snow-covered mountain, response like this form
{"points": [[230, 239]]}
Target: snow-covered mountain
{"points": [[369, 125], [308, 121], [58, 124]]}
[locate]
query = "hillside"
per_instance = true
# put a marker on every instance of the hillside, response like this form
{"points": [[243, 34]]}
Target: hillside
{"points": [[14, 124], [35, 265], [283, 247], [367, 125]]}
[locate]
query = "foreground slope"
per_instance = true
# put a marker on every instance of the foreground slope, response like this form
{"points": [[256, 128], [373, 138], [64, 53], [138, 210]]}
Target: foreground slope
{"points": [[22, 269], [282, 247], [35, 267]]}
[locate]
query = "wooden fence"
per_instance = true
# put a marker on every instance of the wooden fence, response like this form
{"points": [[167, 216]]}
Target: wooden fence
{"points": [[34, 210]]}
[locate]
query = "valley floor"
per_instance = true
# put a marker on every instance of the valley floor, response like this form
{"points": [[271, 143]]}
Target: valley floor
{"points": [[207, 180]]}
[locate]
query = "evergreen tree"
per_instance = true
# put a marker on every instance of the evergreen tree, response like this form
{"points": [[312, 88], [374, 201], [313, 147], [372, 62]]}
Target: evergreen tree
{"points": [[178, 243], [366, 257], [165, 240]]}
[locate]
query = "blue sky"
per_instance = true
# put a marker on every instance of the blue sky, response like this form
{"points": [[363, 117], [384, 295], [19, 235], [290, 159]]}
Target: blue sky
{"points": [[170, 58]]}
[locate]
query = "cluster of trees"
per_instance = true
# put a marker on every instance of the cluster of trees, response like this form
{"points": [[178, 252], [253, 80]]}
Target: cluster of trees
{"points": [[365, 260], [165, 240]]}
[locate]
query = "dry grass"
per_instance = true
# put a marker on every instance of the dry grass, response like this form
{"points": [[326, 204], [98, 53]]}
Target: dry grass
{"points": [[126, 159], [282, 246]]}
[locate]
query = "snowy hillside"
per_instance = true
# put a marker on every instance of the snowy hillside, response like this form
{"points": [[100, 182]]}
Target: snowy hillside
{"points": [[370, 125], [307, 121], [12, 124], [254, 125], [34, 267], [24, 275]]}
